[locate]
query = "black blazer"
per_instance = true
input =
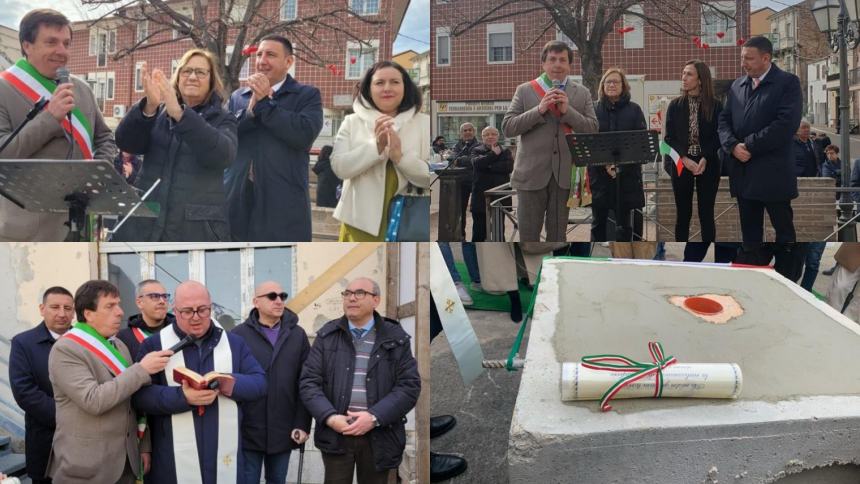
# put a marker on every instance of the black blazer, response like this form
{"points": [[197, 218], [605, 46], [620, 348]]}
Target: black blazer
{"points": [[678, 133]]}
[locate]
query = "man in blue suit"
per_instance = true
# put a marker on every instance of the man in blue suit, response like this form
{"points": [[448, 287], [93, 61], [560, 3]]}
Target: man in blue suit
{"points": [[762, 114], [279, 119], [28, 376]]}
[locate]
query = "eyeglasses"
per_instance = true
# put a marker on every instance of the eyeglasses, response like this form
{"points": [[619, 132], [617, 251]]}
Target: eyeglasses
{"points": [[200, 73], [358, 293], [188, 313], [612, 83], [271, 296], [155, 296]]}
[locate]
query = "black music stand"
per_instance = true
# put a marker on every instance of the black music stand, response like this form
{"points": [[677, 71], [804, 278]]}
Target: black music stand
{"points": [[617, 148], [76, 187]]}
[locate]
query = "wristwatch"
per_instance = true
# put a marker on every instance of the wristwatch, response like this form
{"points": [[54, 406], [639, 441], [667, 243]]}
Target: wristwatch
{"points": [[375, 420]]}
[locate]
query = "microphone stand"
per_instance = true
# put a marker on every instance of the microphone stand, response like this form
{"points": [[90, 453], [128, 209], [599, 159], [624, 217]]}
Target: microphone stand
{"points": [[37, 108]]}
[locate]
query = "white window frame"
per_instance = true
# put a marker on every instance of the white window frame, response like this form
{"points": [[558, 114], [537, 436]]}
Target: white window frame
{"points": [[295, 13], [197, 262], [237, 13], [245, 71], [138, 76], [359, 7], [634, 39], [142, 32], [363, 50], [110, 86], [727, 24], [443, 32], [503, 28], [174, 64]]}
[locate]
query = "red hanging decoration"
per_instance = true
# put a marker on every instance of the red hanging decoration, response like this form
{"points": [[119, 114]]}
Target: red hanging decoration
{"points": [[249, 50], [332, 68], [352, 60], [740, 42], [697, 41], [720, 35], [705, 46], [630, 29]]}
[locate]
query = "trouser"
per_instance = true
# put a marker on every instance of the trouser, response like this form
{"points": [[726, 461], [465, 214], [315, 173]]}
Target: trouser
{"points": [[544, 207], [602, 230], [358, 459], [706, 189], [814, 251], [465, 193], [752, 220]]}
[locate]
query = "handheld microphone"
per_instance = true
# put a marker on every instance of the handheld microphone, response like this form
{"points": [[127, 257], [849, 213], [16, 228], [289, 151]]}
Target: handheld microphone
{"points": [[187, 340], [63, 78], [556, 84]]}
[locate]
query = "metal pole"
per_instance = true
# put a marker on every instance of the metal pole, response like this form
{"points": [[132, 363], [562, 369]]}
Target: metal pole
{"points": [[849, 231]]}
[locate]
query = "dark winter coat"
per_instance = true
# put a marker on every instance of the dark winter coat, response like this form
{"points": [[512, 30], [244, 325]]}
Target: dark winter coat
{"points": [[159, 402], [189, 156], [805, 160], [765, 119], [623, 115], [31, 387], [489, 170], [677, 136], [276, 140], [393, 385], [461, 156], [269, 421], [327, 183], [126, 335]]}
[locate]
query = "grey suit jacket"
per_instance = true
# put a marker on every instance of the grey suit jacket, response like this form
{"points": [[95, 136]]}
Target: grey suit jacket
{"points": [[542, 149], [43, 138], [96, 425]]}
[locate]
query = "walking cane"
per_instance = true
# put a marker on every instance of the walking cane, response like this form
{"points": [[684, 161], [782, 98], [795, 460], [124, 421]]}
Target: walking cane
{"points": [[301, 462]]}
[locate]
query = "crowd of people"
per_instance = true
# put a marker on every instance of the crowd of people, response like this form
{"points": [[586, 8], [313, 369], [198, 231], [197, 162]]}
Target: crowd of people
{"points": [[229, 167], [746, 137], [104, 404]]}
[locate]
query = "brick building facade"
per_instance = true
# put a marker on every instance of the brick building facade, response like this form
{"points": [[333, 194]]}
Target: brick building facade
{"points": [[117, 85], [475, 74]]}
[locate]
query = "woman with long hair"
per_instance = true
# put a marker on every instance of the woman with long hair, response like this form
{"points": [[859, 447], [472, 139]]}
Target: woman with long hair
{"points": [[616, 112], [187, 139], [691, 130], [380, 149]]}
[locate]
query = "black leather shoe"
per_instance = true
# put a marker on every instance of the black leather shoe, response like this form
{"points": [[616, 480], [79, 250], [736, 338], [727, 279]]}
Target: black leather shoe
{"points": [[441, 424], [446, 466]]}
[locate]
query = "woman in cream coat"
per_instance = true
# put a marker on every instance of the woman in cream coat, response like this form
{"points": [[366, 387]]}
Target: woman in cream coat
{"points": [[380, 149]]}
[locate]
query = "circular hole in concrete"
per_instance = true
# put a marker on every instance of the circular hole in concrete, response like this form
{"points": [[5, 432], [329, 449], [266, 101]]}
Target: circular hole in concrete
{"points": [[703, 305]]}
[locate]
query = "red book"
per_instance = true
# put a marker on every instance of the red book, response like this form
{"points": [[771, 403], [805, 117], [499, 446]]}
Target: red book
{"points": [[197, 381]]}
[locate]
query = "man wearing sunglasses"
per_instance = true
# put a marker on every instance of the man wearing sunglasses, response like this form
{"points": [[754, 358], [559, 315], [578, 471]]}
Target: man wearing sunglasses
{"points": [[195, 433], [152, 301], [359, 382], [278, 423]]}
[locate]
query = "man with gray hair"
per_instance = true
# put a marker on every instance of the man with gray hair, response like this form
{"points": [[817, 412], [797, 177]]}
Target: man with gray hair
{"points": [[805, 159], [542, 112], [461, 157], [152, 300], [360, 416]]}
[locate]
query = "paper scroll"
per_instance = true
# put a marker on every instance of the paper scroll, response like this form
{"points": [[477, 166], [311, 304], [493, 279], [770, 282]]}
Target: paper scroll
{"points": [[685, 380]]}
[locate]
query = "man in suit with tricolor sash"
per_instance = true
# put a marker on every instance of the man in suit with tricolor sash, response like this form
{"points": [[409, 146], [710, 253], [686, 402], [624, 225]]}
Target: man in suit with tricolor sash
{"points": [[46, 37], [93, 376]]}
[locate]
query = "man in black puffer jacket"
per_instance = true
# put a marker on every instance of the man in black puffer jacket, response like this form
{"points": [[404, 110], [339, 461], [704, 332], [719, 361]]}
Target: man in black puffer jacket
{"points": [[359, 382]]}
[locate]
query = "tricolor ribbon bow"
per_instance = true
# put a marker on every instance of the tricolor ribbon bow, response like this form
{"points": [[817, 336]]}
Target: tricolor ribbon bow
{"points": [[637, 370]]}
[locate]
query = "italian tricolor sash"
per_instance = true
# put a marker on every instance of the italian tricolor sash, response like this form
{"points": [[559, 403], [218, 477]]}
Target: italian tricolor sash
{"points": [[543, 85], [86, 336], [140, 334], [27, 80]]}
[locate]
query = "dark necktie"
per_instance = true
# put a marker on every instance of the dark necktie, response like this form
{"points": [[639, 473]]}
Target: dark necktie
{"points": [[358, 332]]}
